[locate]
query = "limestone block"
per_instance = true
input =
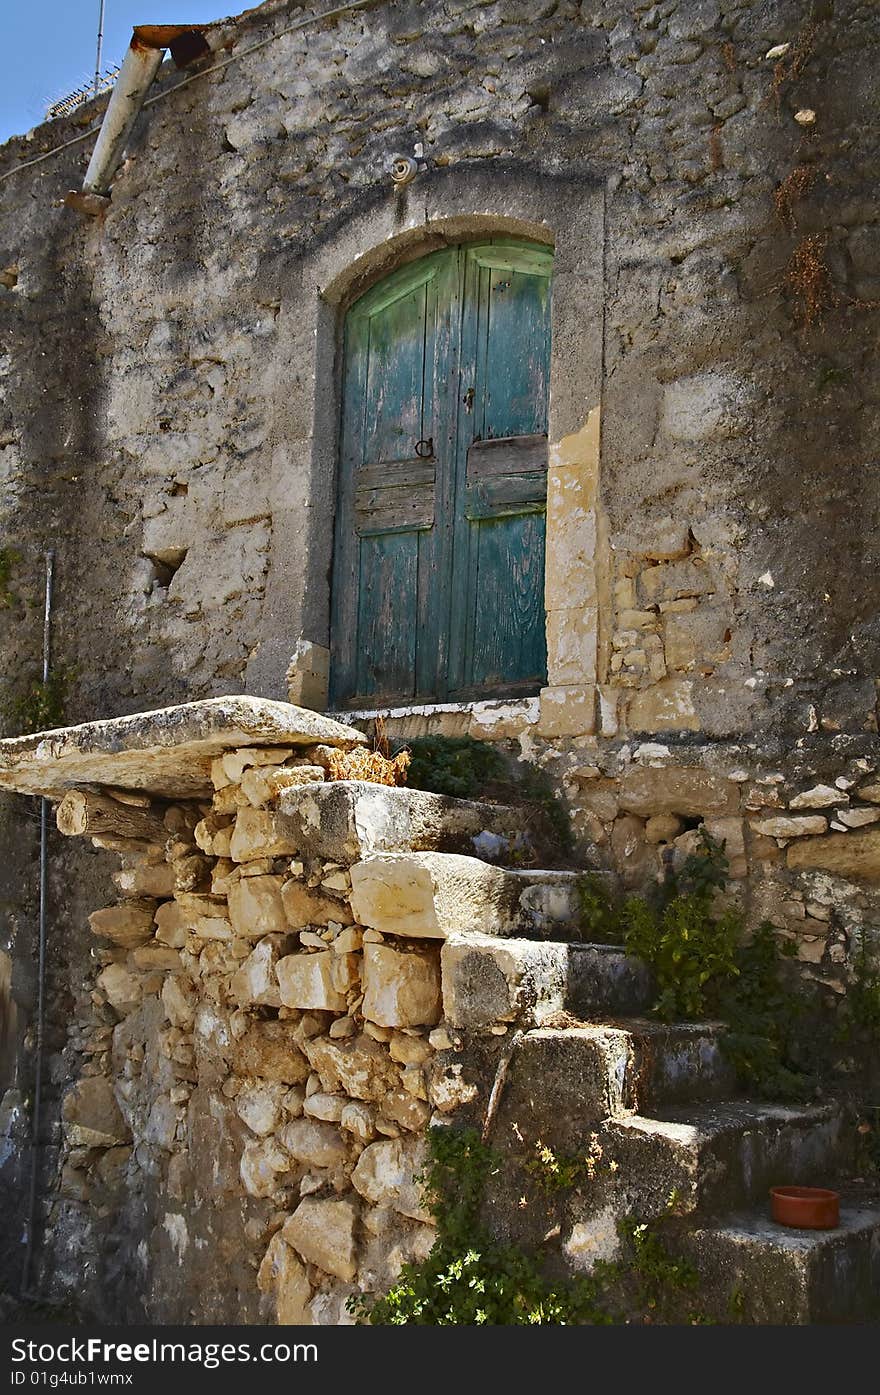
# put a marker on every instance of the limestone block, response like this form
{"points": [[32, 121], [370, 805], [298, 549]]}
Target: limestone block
{"points": [[386, 1175], [263, 1164], [235, 763], [161, 1126], [307, 981], [282, 1275], [401, 989], [154, 879], [265, 784], [359, 1119], [323, 1233], [857, 818], [567, 711], [853, 855], [179, 1001], [665, 706], [356, 1066], [154, 956], [269, 1051], [703, 636], [792, 826], [255, 906], [308, 675], [572, 636], [409, 1112], [127, 925], [306, 906], [485, 980], [634, 857], [256, 982], [259, 833], [503, 721], [346, 820], [166, 752], [91, 1116], [730, 832], [259, 1106], [430, 894], [323, 1106], [676, 789], [123, 989], [870, 792], [314, 1142], [817, 797], [171, 926], [409, 1050], [663, 828], [213, 834], [600, 798]]}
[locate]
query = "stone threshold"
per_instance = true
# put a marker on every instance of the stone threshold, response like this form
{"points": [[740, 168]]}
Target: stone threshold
{"points": [[479, 717], [166, 752]]}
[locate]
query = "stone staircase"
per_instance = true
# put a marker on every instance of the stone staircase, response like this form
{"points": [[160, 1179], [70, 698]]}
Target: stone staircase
{"points": [[303, 972], [656, 1104]]}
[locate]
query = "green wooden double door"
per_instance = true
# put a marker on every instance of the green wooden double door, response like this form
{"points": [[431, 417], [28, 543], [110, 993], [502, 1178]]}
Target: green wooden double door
{"points": [[438, 575]]}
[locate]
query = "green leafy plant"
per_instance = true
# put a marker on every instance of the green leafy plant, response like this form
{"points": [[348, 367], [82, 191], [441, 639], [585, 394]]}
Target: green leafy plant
{"points": [[659, 1278], [767, 1037], [456, 765], [556, 1172], [467, 768], [678, 933], [469, 1279]]}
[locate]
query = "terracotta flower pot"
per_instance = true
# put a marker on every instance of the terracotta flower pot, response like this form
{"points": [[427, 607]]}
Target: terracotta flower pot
{"points": [[807, 1208]]}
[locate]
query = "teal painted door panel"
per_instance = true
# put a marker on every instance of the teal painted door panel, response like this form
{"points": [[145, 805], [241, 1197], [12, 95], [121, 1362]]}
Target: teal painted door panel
{"points": [[438, 566]]}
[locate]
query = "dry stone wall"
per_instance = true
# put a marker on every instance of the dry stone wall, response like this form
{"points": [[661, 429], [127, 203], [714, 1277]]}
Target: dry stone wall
{"points": [[254, 1069]]}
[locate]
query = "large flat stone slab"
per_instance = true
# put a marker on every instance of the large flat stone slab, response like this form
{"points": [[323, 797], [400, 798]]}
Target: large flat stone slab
{"points": [[167, 752]]}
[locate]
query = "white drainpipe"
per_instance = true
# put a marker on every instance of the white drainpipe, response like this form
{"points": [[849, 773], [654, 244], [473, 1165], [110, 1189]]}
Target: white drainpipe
{"points": [[139, 68]]}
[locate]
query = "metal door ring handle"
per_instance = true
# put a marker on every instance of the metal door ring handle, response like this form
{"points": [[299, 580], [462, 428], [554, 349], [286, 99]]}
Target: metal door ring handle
{"points": [[425, 448]]}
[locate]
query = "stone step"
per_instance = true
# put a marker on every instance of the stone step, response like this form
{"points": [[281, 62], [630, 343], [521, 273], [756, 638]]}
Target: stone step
{"points": [[434, 894], [603, 1072], [755, 1271], [487, 980], [346, 820], [725, 1155]]}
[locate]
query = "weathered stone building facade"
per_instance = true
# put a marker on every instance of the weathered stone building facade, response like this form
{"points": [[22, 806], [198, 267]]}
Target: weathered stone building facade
{"points": [[171, 378]]}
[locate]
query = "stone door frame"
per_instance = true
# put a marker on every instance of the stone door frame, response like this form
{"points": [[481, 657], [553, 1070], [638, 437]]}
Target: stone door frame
{"points": [[442, 207]]}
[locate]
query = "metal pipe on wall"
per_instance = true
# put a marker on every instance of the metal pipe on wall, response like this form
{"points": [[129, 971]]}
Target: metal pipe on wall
{"points": [[36, 1110], [139, 67]]}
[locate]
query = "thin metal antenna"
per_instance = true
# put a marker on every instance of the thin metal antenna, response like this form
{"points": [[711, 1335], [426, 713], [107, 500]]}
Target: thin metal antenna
{"points": [[100, 48]]}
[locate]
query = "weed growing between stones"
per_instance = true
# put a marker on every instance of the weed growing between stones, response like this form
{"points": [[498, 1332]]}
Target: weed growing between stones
{"points": [[455, 765], [468, 769], [705, 967], [469, 1279]]}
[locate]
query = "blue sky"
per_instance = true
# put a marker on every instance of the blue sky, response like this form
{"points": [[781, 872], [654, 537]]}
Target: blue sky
{"points": [[49, 46]]}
